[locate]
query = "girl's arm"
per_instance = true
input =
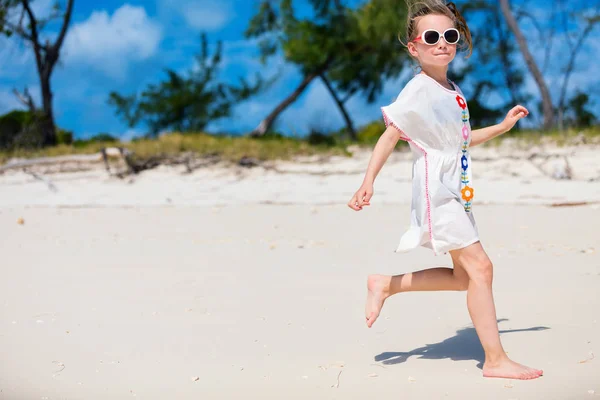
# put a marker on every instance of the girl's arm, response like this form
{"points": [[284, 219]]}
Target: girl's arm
{"points": [[482, 135], [384, 147]]}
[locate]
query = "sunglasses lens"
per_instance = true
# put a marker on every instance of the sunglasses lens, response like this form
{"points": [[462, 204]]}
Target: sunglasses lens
{"points": [[451, 36], [431, 37]]}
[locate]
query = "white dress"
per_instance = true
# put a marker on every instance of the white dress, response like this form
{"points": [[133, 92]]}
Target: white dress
{"points": [[435, 122]]}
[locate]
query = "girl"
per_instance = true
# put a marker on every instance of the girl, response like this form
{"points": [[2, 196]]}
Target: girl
{"points": [[432, 115]]}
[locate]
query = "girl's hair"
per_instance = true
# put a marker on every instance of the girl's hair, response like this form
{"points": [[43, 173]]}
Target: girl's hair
{"points": [[421, 8]]}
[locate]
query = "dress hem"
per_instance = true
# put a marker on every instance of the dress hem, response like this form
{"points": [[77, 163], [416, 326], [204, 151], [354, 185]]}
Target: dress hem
{"points": [[437, 253], [462, 246]]}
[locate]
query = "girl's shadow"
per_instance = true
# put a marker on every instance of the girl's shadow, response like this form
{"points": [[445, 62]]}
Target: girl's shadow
{"points": [[464, 346]]}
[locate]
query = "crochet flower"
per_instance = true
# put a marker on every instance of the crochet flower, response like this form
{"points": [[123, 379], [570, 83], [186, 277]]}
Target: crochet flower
{"points": [[465, 116], [467, 193], [464, 162], [461, 102], [465, 132]]}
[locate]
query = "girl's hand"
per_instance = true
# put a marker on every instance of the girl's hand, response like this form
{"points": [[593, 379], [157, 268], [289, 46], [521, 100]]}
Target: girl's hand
{"points": [[515, 114], [361, 197]]}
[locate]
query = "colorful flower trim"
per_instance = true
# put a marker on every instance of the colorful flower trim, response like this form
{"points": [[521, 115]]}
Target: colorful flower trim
{"points": [[466, 191], [464, 162]]}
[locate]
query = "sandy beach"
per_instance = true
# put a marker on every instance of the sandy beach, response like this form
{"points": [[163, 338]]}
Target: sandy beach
{"points": [[250, 283]]}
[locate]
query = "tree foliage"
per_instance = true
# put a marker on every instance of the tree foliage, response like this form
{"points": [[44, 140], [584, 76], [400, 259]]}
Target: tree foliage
{"points": [[185, 102], [490, 73], [352, 50], [578, 115]]}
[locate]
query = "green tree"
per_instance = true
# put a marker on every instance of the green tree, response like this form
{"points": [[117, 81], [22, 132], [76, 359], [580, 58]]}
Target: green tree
{"points": [[577, 113], [490, 71], [185, 102], [579, 100], [17, 18], [575, 25], [350, 50]]}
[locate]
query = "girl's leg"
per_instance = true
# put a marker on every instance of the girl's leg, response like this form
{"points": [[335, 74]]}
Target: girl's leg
{"points": [[380, 287], [472, 272], [480, 302]]}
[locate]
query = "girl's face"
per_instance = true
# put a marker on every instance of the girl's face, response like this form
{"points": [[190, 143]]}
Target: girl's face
{"points": [[439, 54]]}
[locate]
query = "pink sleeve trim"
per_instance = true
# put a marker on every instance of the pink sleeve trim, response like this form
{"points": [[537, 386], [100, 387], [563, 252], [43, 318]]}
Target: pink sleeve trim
{"points": [[389, 122]]}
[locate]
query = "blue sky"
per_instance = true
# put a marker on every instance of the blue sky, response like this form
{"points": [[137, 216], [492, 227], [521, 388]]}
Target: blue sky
{"points": [[123, 46]]}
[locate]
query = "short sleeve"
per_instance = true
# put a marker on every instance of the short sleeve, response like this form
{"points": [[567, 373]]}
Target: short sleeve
{"points": [[403, 114]]}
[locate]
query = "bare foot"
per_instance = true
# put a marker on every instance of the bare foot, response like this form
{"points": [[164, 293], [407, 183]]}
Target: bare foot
{"points": [[378, 286], [510, 369]]}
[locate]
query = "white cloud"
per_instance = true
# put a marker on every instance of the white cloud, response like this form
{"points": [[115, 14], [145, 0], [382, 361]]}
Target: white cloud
{"points": [[209, 16], [110, 43]]}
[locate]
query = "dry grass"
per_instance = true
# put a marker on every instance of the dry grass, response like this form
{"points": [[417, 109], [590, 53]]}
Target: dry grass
{"points": [[229, 148], [234, 148]]}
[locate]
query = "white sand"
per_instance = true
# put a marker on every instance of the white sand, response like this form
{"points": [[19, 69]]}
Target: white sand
{"points": [[267, 301]]}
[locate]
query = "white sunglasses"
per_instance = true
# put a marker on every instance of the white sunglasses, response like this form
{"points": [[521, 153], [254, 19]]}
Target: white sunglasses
{"points": [[431, 36]]}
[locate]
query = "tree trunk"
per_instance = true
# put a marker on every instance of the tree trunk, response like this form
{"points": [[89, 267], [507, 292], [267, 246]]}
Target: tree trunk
{"points": [[46, 57], [342, 108], [569, 69], [533, 68], [47, 125], [505, 57], [26, 99], [266, 123]]}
